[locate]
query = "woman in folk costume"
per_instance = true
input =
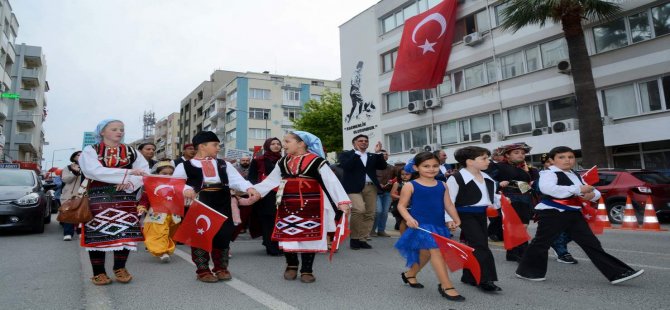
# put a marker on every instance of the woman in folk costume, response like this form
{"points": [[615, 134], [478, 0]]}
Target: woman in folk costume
{"points": [[159, 227], [307, 187], [115, 170], [264, 211], [212, 179]]}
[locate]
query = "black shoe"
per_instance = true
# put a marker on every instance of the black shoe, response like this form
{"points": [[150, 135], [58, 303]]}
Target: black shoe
{"points": [[566, 259], [469, 283], [531, 278], [627, 276], [355, 244], [489, 286], [406, 280], [445, 295], [364, 245]]}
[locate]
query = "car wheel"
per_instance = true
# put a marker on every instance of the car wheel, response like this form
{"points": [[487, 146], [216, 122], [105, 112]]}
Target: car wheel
{"points": [[615, 211], [38, 227]]}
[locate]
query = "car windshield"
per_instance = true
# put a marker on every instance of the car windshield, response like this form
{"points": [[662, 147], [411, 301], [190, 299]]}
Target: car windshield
{"points": [[652, 177], [15, 177]]}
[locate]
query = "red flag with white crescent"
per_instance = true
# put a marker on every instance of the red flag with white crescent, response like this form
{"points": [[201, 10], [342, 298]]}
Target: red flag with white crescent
{"points": [[166, 194], [199, 226], [457, 255], [341, 233], [514, 231], [591, 176], [424, 48]]}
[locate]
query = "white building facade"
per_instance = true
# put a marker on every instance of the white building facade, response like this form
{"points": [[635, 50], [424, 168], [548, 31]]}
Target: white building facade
{"points": [[503, 87]]}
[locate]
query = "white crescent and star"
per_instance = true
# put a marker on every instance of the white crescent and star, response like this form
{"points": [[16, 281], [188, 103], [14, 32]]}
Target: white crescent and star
{"points": [[427, 45], [206, 219], [159, 187]]}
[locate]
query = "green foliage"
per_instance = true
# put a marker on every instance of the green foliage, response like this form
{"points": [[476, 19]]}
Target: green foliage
{"points": [[521, 13], [324, 119]]}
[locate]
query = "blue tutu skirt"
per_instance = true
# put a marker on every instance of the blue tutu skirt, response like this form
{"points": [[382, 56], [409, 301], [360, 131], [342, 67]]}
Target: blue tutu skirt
{"points": [[413, 240]]}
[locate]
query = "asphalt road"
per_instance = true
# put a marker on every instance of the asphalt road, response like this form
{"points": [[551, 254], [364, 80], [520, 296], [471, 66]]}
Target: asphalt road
{"points": [[44, 272]]}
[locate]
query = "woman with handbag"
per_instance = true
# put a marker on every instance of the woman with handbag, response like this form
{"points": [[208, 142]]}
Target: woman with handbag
{"points": [[115, 170], [72, 178]]}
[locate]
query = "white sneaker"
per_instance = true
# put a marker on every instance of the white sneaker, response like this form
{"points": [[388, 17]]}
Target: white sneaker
{"points": [[530, 278], [67, 238], [627, 276], [165, 258]]}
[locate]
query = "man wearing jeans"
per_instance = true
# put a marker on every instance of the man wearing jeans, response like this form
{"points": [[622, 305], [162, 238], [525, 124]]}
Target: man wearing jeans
{"points": [[360, 181], [383, 199]]}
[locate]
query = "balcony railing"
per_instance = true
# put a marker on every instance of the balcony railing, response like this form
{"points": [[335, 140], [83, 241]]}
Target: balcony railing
{"points": [[28, 117], [23, 138]]}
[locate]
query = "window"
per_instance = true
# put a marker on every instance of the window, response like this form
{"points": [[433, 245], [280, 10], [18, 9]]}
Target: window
{"points": [[395, 142], [445, 87], [404, 140], [415, 95], [497, 122], [532, 59], [553, 52], [231, 135], [491, 71], [292, 113], [519, 120], [232, 95], [498, 11], [231, 116], [660, 16], [315, 97], [620, 101], [562, 109], [640, 29], [665, 82], [464, 129], [480, 125], [259, 133], [482, 19], [255, 113], [512, 65], [292, 95], [388, 23], [474, 76], [610, 36], [650, 96], [393, 101], [388, 60], [410, 11], [449, 133], [477, 22], [459, 86], [419, 137], [317, 83], [261, 94], [540, 115]]}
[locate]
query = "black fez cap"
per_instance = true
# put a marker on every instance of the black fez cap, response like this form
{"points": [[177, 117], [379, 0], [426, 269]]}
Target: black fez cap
{"points": [[204, 137]]}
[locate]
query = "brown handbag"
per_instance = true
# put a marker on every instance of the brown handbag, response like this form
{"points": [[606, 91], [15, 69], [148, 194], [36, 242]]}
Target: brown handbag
{"points": [[76, 210]]}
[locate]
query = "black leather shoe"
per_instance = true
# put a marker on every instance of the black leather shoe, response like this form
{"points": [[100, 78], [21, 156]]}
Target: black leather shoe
{"points": [[364, 245], [489, 286], [355, 244], [406, 280], [445, 295]]}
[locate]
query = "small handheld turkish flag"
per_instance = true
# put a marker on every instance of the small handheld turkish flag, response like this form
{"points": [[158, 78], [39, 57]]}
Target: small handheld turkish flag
{"points": [[199, 226], [591, 176], [590, 215], [424, 48], [514, 232], [341, 233], [166, 194], [457, 255]]}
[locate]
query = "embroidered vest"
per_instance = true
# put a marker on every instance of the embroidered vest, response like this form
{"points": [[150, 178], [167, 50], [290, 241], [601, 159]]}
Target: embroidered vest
{"points": [[195, 179], [122, 156]]}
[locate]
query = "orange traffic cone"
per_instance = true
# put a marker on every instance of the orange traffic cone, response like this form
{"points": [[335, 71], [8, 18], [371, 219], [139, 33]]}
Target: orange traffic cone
{"points": [[601, 217], [650, 220], [629, 218]]}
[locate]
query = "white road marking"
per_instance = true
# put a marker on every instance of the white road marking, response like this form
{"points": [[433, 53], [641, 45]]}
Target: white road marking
{"points": [[95, 296], [246, 289]]}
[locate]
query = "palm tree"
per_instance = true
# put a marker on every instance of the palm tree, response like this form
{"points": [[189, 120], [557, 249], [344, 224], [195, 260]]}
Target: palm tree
{"points": [[570, 13]]}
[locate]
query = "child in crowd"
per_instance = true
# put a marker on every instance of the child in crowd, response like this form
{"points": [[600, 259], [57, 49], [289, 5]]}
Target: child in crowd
{"points": [[403, 177], [472, 191], [159, 227], [429, 199], [560, 210]]}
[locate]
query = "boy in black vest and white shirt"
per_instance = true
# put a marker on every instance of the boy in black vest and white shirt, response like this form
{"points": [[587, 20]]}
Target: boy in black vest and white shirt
{"points": [[472, 191], [560, 210]]}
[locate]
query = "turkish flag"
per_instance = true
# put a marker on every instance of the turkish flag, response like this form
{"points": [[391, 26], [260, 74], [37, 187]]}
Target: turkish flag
{"points": [[514, 232], [457, 255], [341, 232], [166, 194], [424, 48], [199, 226], [591, 177], [590, 213]]}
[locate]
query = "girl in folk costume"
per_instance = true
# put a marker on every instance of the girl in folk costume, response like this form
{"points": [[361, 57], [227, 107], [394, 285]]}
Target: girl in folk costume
{"points": [[264, 211], [159, 227], [430, 199], [211, 179], [115, 170], [560, 210], [307, 186]]}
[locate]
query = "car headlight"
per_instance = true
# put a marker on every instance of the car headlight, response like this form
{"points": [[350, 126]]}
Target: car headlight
{"points": [[29, 199]]}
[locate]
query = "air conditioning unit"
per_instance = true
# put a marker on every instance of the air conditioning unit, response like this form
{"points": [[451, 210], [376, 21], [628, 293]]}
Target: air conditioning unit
{"points": [[565, 125], [431, 147], [541, 131], [563, 66], [473, 39], [493, 136], [416, 107], [415, 150], [433, 103], [608, 120]]}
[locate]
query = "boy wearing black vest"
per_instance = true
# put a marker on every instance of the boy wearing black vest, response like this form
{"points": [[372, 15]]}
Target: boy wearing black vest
{"points": [[472, 191], [211, 180], [560, 210]]}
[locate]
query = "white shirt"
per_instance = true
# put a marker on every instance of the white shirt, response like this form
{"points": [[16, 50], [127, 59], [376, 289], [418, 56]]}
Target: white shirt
{"points": [[235, 180], [93, 169], [453, 187], [364, 159], [548, 186]]}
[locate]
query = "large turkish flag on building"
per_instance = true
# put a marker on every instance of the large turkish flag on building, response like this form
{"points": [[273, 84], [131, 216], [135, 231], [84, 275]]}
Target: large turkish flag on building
{"points": [[166, 194], [199, 226], [424, 48]]}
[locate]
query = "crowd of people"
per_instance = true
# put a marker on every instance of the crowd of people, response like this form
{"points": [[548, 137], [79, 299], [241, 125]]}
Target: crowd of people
{"points": [[290, 185]]}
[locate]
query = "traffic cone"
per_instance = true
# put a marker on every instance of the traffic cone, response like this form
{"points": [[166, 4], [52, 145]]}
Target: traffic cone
{"points": [[650, 220], [629, 218], [601, 217]]}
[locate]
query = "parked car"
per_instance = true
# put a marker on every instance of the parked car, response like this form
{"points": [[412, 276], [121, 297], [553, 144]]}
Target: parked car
{"points": [[23, 203], [616, 184]]}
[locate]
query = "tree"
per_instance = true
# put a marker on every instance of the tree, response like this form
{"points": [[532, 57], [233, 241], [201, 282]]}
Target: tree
{"points": [[570, 13], [324, 119]]}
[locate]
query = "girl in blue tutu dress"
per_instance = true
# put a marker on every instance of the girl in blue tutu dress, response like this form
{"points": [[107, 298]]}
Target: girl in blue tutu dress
{"points": [[429, 199]]}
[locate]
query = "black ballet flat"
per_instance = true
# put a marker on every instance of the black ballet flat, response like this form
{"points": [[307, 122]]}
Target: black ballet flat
{"points": [[406, 280], [445, 295]]}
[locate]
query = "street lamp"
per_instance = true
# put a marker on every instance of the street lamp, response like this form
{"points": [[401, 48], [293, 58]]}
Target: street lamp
{"points": [[54, 153]]}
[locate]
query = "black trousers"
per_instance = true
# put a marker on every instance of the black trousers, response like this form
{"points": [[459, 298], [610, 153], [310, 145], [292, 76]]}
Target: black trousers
{"points": [[550, 224], [219, 201], [474, 234]]}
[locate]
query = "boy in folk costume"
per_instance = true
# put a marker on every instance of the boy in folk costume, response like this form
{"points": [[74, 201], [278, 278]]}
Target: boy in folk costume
{"points": [[211, 180], [307, 185]]}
